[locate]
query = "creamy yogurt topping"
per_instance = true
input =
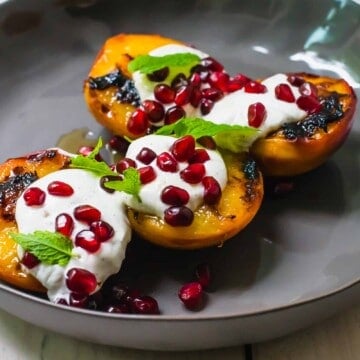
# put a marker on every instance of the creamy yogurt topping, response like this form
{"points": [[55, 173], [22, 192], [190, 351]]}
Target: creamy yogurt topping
{"points": [[233, 107], [150, 193], [87, 191]]}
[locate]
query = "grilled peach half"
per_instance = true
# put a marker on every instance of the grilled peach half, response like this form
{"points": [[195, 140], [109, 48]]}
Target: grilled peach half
{"points": [[298, 148], [212, 225], [15, 175]]}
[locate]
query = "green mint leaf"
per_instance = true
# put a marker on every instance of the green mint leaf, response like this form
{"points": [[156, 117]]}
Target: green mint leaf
{"points": [[89, 163], [130, 183], [147, 64], [50, 248], [235, 138]]}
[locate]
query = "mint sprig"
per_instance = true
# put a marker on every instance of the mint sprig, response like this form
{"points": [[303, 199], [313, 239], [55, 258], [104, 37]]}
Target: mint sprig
{"points": [[49, 247], [235, 138], [147, 64], [130, 183]]}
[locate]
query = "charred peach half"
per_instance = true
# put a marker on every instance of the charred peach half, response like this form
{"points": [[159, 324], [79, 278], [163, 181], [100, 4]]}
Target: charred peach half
{"points": [[300, 147], [112, 61], [15, 175], [212, 224]]}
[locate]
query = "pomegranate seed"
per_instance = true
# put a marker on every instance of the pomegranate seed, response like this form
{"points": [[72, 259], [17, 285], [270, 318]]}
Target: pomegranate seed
{"points": [[138, 122], [64, 224], [212, 190], [205, 106], [207, 142], [102, 230], [81, 281], [200, 156], [87, 240], [283, 92], [195, 97], [159, 75], [219, 80], [34, 196], [166, 162], [195, 80], [178, 216], [164, 93], [295, 80], [118, 292], [202, 71], [191, 295], [212, 94], [147, 174], [146, 155], [29, 260], [182, 96], [124, 164], [234, 85], [203, 274], [121, 308], [119, 144], [308, 89], [193, 174], [145, 305], [173, 114], [131, 295], [255, 87], [59, 188], [183, 148], [241, 79], [154, 110], [78, 300], [87, 213], [212, 64], [173, 195], [178, 81], [256, 114], [309, 104]]}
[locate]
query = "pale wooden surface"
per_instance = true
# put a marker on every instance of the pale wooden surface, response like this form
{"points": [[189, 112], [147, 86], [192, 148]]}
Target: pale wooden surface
{"points": [[335, 339]]}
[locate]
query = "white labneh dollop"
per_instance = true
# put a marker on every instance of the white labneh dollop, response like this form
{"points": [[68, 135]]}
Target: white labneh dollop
{"points": [[150, 193], [87, 191]]}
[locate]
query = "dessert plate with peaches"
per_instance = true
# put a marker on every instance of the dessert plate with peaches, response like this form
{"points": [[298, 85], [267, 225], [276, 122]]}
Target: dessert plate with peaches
{"points": [[162, 180]]}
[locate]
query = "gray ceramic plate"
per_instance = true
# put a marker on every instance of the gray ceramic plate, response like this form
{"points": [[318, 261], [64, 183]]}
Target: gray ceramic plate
{"points": [[298, 262]]}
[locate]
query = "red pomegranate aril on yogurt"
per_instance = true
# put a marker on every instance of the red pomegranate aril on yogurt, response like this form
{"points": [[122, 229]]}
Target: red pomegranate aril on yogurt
{"points": [[308, 89], [203, 274], [124, 164], [195, 97], [178, 216], [164, 93], [102, 230], [241, 79], [202, 71], [178, 81], [256, 114], [195, 80], [154, 110], [193, 174], [29, 260], [147, 174], [310, 104], [138, 122], [212, 94], [173, 195], [212, 64], [206, 106], [182, 96], [34, 196], [212, 190], [191, 294], [87, 213], [166, 162], [60, 188], [219, 80], [87, 240], [145, 305], [64, 224], [255, 87], [146, 155], [283, 92], [199, 156], [174, 114], [81, 281], [183, 148], [295, 80]]}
